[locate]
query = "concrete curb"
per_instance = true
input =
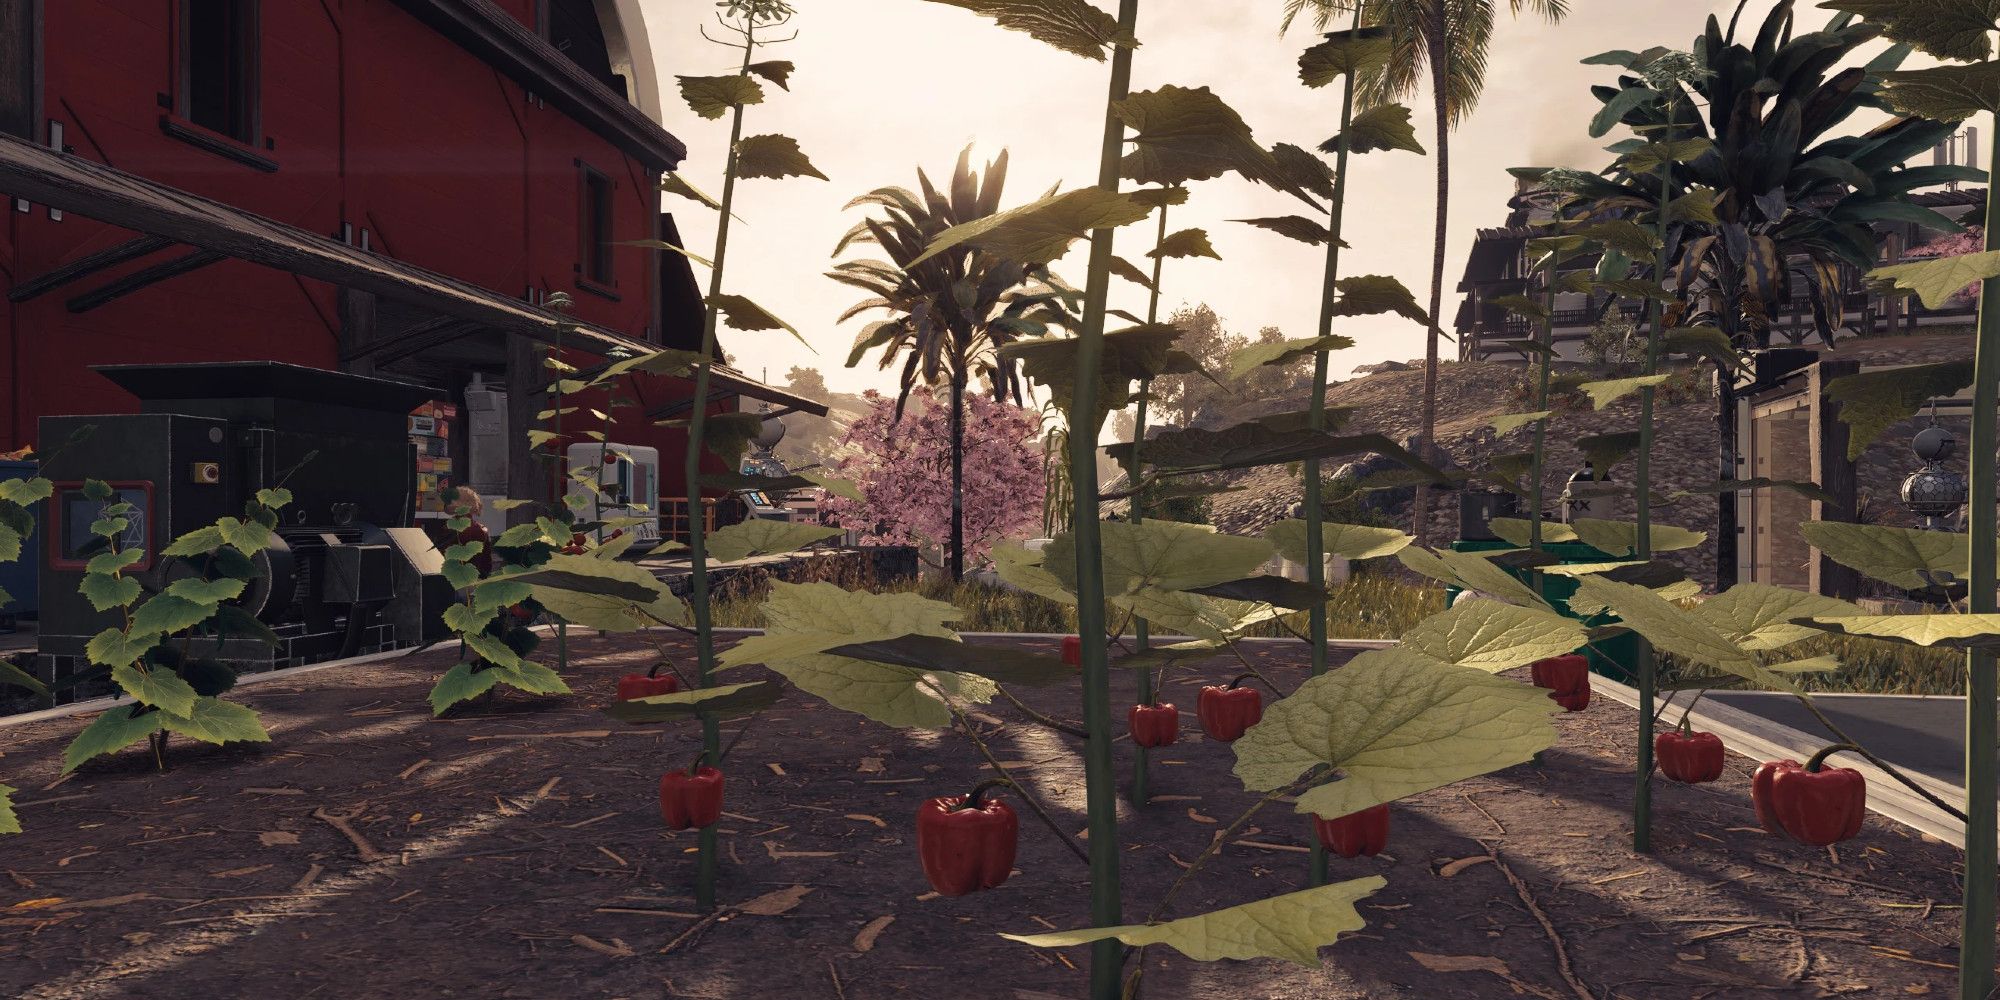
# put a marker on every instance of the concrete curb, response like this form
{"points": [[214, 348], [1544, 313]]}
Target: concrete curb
{"points": [[1761, 739]]}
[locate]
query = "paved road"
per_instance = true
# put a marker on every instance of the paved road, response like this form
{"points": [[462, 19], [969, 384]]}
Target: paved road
{"points": [[1921, 733]]}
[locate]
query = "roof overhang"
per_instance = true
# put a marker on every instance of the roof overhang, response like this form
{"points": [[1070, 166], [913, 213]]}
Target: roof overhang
{"points": [[95, 191]]}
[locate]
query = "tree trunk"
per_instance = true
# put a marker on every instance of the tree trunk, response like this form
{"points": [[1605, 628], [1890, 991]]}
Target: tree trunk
{"points": [[956, 559], [1439, 54]]}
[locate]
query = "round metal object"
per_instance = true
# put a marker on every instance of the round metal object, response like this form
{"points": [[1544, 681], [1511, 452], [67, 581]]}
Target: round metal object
{"points": [[1934, 491], [1934, 444]]}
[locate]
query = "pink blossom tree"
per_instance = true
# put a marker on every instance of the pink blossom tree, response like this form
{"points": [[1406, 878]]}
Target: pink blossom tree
{"points": [[903, 469], [1971, 240]]}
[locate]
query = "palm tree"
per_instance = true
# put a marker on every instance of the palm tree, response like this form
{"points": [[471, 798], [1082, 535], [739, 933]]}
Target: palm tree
{"points": [[949, 315], [1443, 43]]}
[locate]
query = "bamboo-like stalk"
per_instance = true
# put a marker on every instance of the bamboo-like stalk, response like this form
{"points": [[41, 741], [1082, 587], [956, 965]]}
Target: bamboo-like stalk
{"points": [[1545, 336], [1141, 631], [1316, 416], [704, 628], [1100, 774], [1976, 952], [1642, 789]]}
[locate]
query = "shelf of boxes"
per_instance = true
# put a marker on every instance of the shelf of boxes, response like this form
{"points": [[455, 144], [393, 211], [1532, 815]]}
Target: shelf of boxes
{"points": [[430, 431]]}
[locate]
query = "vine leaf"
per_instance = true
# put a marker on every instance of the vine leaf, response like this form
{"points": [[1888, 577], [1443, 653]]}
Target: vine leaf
{"points": [[1166, 555], [461, 683], [1910, 558], [712, 96], [1758, 616], [9, 821], [1350, 541], [778, 71], [757, 537], [1936, 281], [597, 593], [1945, 93], [1515, 531], [1605, 451], [1293, 927], [1393, 722], [1296, 227], [1621, 538], [1604, 393], [1373, 294], [1040, 231], [724, 701], [1951, 631], [1186, 243], [111, 732], [212, 720], [1281, 353], [1507, 423], [675, 184], [1947, 30], [773, 156], [739, 313], [1073, 26], [1872, 402], [1492, 636], [1360, 53], [939, 654], [1130, 355], [1678, 632], [1384, 127], [1130, 272], [1183, 134]]}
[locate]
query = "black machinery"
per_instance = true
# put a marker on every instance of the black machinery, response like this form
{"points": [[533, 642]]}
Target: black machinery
{"points": [[346, 572]]}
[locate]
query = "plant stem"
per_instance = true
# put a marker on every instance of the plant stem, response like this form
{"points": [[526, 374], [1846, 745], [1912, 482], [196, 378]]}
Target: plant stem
{"points": [[704, 627], [1034, 805], [1315, 501], [1047, 720], [1142, 630], [1100, 774], [1545, 336], [1642, 789], [1982, 685]]}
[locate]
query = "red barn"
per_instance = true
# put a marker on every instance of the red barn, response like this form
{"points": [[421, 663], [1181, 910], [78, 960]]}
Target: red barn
{"points": [[389, 187]]}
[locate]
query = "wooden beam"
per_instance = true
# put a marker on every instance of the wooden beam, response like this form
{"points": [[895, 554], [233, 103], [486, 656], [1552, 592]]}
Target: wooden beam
{"points": [[145, 278], [378, 343], [404, 346], [21, 68], [527, 479], [84, 267], [357, 331]]}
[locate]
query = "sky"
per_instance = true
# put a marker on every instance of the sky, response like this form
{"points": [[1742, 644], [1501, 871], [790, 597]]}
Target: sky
{"points": [[885, 87]]}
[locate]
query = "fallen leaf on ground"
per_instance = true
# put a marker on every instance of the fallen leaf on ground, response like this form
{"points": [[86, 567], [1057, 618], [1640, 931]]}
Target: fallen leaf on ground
{"points": [[865, 818], [277, 838], [616, 949], [771, 904], [37, 904], [1461, 864], [1462, 963], [777, 769], [870, 931], [1199, 818]]}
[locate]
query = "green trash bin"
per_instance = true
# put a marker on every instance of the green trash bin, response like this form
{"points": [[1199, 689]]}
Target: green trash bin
{"points": [[1616, 657]]}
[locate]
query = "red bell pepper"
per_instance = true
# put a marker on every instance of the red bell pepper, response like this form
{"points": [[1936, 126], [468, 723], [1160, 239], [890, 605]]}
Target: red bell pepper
{"points": [[1072, 650], [691, 799], [1567, 678], [1154, 725], [1687, 756], [1225, 712], [647, 684], [1362, 834], [967, 842], [1811, 805]]}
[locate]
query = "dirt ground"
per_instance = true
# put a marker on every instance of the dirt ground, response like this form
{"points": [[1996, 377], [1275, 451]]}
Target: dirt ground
{"points": [[518, 852]]}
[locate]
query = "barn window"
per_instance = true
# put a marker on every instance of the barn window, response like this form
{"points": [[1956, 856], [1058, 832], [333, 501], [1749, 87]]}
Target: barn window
{"points": [[594, 227], [219, 66]]}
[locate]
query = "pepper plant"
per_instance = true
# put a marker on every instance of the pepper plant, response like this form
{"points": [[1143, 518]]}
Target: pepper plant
{"points": [[17, 524]]}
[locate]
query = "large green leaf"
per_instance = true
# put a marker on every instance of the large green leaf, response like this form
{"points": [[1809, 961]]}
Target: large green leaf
{"points": [[460, 683], [1130, 355], [1605, 451], [1182, 134], [1246, 360], [1209, 619], [1373, 294], [937, 654], [1293, 927], [1948, 29], [168, 613], [1296, 227], [1758, 616], [1186, 243], [1276, 591], [1040, 231], [712, 96], [1470, 571], [529, 676], [1872, 402], [159, 687], [1507, 423], [1352, 541], [1810, 491], [1021, 568], [1681, 633], [1385, 126], [1393, 723], [1603, 394], [111, 732], [1167, 555], [1073, 26], [10, 823], [26, 492], [740, 313], [1910, 558], [1620, 538], [116, 647], [602, 593], [1945, 93], [773, 156], [1357, 52], [1257, 443], [1491, 636], [778, 71], [16, 677], [759, 537], [1936, 281], [1516, 531], [105, 591], [723, 701], [675, 184], [213, 720], [1949, 630], [804, 621]]}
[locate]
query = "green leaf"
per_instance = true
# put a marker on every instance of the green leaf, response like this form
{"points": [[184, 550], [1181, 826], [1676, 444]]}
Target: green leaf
{"points": [[773, 156], [110, 527], [106, 591], [1073, 26], [1393, 722], [601, 594], [112, 562], [1383, 127], [9, 822], [1130, 355], [1210, 619], [1276, 591], [1910, 558], [1296, 227], [13, 675], [675, 184], [938, 654], [1624, 236], [26, 492], [1681, 633], [1351, 541], [247, 537], [275, 497], [529, 676], [1872, 402], [759, 537], [1040, 231], [1186, 243], [1952, 631], [1130, 272], [1616, 107], [1605, 451], [1507, 423], [492, 650], [1620, 538], [233, 620], [1491, 636], [1293, 926], [1360, 53], [1945, 93], [1183, 134], [1470, 571], [1702, 342], [1696, 206], [1516, 530], [724, 701], [463, 618], [778, 71], [1810, 491], [1758, 616], [460, 574], [1371, 294], [159, 687], [834, 484], [712, 96], [111, 732], [460, 684], [1936, 281], [1021, 568], [213, 720], [645, 245], [113, 647], [804, 621], [1281, 353], [1647, 158], [1951, 29], [1603, 394], [739, 313], [10, 543], [1167, 555]]}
